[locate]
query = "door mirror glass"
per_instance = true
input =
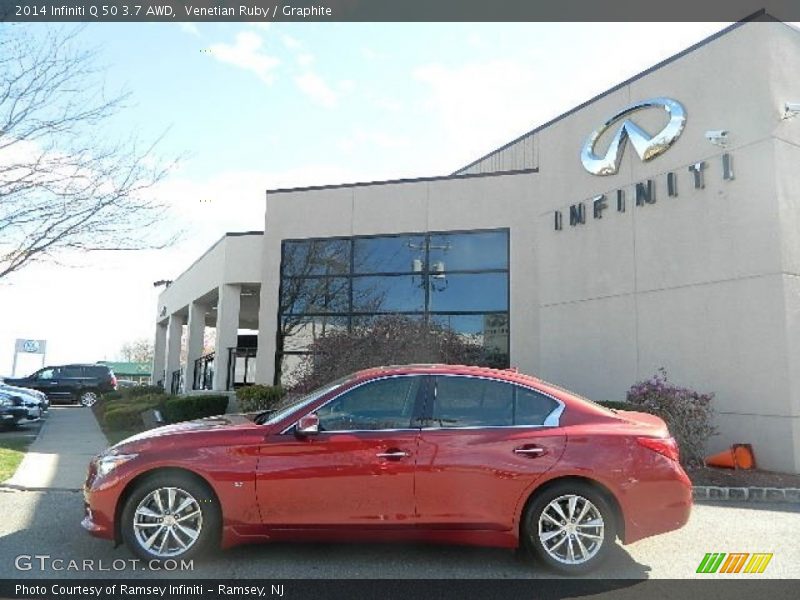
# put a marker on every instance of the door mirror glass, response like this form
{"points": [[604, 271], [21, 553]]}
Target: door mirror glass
{"points": [[308, 425]]}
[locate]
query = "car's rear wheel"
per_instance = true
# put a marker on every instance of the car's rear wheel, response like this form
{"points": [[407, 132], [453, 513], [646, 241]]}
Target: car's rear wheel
{"points": [[88, 398], [170, 516], [569, 527]]}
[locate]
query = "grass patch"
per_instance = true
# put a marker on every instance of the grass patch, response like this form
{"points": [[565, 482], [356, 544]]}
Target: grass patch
{"points": [[11, 453]]}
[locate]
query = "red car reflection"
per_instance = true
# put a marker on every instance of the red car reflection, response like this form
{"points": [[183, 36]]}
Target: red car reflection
{"points": [[438, 453]]}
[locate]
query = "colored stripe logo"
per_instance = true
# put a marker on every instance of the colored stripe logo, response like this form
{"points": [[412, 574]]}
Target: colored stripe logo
{"points": [[734, 562]]}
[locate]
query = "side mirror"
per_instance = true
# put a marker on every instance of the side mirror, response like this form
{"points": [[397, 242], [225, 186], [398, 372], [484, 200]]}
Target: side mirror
{"points": [[308, 425]]}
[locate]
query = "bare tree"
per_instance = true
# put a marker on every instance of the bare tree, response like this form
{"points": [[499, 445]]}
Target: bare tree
{"points": [[140, 350], [63, 184]]}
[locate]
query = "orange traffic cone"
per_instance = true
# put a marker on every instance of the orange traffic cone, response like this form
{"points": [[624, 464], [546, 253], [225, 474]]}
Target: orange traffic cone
{"points": [[743, 456], [738, 456]]}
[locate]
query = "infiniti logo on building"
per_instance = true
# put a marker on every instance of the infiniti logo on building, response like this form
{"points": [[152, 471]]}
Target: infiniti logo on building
{"points": [[646, 146]]}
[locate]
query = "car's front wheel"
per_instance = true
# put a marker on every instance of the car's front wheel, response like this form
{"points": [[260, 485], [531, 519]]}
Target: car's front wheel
{"points": [[170, 516], [88, 398], [569, 527]]}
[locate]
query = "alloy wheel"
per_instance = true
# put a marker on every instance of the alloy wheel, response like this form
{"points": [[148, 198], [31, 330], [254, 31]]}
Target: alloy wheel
{"points": [[167, 522], [571, 529], [88, 399]]}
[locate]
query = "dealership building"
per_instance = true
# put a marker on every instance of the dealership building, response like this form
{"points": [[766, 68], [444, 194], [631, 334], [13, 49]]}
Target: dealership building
{"points": [[656, 225]]}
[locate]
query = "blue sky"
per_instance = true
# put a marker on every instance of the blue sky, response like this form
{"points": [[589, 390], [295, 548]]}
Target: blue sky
{"points": [[253, 107]]}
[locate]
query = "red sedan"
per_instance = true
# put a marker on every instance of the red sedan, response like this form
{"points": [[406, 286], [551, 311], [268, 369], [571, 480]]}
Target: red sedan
{"points": [[438, 453]]}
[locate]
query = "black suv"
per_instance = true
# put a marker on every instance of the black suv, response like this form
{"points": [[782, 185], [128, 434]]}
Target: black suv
{"points": [[76, 383]]}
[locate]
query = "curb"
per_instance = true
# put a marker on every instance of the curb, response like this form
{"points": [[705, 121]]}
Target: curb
{"points": [[747, 494]]}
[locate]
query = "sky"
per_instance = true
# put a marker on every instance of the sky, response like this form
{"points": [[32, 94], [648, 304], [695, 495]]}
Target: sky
{"points": [[253, 106]]}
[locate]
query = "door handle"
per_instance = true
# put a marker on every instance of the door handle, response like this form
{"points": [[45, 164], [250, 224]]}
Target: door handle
{"points": [[392, 454], [532, 451]]}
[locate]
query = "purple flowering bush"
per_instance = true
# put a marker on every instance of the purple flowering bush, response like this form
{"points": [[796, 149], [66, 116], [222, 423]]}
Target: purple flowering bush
{"points": [[688, 413]]}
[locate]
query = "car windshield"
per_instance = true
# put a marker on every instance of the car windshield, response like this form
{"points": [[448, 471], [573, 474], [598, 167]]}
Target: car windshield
{"points": [[302, 401]]}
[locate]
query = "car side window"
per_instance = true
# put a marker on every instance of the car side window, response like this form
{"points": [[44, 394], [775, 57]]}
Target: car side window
{"points": [[71, 372], [531, 407], [382, 404], [46, 374], [472, 402]]}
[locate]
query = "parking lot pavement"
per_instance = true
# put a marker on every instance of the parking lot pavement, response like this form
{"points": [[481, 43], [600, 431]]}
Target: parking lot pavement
{"points": [[58, 457], [47, 523], [25, 430]]}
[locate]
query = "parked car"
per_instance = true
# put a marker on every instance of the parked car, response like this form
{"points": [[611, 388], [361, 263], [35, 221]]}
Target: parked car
{"points": [[82, 384], [127, 383], [12, 410], [35, 396], [462, 455]]}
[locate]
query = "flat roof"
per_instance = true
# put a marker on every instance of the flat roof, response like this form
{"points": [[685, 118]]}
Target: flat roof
{"points": [[402, 180], [214, 245]]}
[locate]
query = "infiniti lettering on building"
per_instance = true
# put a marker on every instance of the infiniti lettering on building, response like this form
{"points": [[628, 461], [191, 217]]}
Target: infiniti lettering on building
{"points": [[647, 147]]}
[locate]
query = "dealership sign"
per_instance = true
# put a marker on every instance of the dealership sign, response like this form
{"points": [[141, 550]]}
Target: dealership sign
{"points": [[30, 346], [647, 147]]}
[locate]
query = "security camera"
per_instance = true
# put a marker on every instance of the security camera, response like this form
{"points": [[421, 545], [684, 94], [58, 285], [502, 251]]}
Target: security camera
{"points": [[718, 137], [791, 109]]}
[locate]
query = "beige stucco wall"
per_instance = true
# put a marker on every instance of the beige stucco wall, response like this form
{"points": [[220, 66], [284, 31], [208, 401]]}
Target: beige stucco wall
{"points": [[234, 259]]}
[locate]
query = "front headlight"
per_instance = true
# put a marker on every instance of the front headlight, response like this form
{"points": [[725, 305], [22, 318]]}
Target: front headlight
{"points": [[109, 462]]}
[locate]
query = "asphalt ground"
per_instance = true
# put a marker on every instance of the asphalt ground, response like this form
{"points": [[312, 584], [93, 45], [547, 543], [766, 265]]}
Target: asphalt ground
{"points": [[48, 523]]}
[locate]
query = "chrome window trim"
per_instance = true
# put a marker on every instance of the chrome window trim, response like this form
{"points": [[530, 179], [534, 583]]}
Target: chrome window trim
{"points": [[552, 420], [350, 390]]}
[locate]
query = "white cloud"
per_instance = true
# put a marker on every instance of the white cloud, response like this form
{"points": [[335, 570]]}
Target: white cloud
{"points": [[190, 28], [304, 59], [377, 139], [371, 54], [290, 42], [480, 105], [314, 86], [247, 54]]}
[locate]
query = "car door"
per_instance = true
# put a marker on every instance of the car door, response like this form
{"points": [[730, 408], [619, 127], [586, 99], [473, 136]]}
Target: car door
{"points": [[485, 443], [48, 380], [358, 470]]}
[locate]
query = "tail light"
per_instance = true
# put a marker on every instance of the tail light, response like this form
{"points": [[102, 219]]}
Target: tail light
{"points": [[114, 382], [665, 446]]}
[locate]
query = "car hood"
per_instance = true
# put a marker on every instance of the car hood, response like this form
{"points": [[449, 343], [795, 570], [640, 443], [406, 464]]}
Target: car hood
{"points": [[199, 426]]}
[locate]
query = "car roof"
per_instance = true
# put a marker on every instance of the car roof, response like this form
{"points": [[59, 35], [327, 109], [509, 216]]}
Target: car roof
{"points": [[512, 374]]}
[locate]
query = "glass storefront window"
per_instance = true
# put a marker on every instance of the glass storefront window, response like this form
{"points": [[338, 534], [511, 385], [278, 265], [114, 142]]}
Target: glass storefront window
{"points": [[465, 292], [473, 251], [388, 254], [315, 295], [299, 332], [457, 280], [316, 257], [389, 293]]}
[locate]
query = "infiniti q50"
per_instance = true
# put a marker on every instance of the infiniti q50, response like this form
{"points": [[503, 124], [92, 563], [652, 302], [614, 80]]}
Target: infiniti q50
{"points": [[435, 453]]}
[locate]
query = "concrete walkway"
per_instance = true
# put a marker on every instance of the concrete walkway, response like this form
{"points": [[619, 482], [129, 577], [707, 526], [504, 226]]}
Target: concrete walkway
{"points": [[59, 457]]}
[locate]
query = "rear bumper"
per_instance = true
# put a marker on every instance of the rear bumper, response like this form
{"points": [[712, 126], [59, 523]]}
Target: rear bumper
{"points": [[657, 505]]}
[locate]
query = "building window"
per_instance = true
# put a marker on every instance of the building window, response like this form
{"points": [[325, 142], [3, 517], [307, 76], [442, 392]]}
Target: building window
{"points": [[458, 280]]}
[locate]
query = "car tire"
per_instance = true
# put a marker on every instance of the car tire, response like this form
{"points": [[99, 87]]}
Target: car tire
{"points": [[569, 527], [88, 398], [149, 532]]}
